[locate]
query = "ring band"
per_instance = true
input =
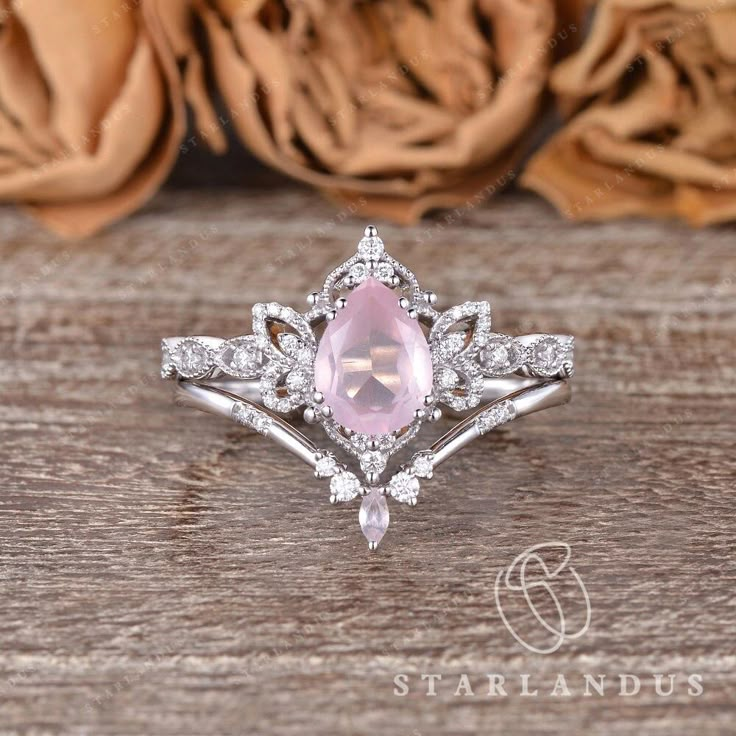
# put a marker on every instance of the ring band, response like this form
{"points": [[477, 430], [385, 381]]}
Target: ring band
{"points": [[371, 367]]}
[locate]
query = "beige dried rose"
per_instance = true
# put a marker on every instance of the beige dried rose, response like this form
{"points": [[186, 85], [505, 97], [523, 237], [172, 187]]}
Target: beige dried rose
{"points": [[91, 110], [393, 107], [652, 94]]}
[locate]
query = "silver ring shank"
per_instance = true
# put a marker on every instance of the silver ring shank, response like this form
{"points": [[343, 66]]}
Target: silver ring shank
{"points": [[220, 395]]}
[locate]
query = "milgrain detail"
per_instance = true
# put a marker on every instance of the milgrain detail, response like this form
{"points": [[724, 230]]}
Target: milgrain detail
{"points": [[372, 361]]}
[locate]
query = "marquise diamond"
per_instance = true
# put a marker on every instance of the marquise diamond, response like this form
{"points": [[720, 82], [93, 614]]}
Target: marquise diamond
{"points": [[374, 516]]}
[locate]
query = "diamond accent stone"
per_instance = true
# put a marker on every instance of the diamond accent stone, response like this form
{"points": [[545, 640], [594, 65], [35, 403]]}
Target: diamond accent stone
{"points": [[423, 464], [252, 418], [240, 357], [326, 466], [404, 487], [374, 516], [370, 248], [294, 347], [478, 314], [244, 359], [373, 462], [495, 416], [344, 486], [358, 272], [191, 358], [547, 356], [263, 315], [384, 272], [297, 380], [502, 355], [449, 346], [447, 379], [373, 363]]}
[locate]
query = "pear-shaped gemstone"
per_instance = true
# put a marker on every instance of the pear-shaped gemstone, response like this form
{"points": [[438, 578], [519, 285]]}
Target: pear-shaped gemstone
{"points": [[373, 363]]}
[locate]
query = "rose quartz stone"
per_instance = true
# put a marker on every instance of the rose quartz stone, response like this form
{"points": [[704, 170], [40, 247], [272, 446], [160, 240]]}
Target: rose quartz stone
{"points": [[373, 364], [374, 516]]}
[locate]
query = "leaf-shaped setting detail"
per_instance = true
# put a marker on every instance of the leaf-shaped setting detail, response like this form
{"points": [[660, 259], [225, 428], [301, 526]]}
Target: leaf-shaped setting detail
{"points": [[285, 387], [240, 357], [272, 320], [467, 389], [456, 340], [295, 347], [447, 348]]}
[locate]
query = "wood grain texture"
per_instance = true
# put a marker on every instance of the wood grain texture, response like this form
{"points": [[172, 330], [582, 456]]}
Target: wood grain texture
{"points": [[163, 572]]}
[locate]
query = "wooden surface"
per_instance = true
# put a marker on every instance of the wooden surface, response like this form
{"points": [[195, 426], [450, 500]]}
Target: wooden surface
{"points": [[163, 572]]}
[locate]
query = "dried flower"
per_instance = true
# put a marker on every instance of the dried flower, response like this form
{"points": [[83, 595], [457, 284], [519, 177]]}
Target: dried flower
{"points": [[653, 132], [394, 107], [91, 110]]}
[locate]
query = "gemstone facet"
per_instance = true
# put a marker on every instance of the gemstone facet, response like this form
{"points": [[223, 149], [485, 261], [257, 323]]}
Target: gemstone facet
{"points": [[547, 355], [502, 355], [191, 358], [374, 516], [404, 487], [373, 363], [344, 486]]}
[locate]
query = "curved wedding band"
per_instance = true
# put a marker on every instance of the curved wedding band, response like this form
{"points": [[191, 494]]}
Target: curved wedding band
{"points": [[524, 395], [371, 361]]}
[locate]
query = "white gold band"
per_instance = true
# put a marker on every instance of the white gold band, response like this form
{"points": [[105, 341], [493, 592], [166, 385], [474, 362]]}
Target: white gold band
{"points": [[512, 397], [371, 361]]}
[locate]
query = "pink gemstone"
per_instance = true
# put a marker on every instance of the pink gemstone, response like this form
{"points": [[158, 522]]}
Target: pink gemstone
{"points": [[373, 364], [373, 516]]}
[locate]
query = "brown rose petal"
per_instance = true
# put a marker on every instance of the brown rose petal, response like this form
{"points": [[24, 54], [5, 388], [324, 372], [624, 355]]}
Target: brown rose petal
{"points": [[392, 107], [657, 131], [91, 111]]}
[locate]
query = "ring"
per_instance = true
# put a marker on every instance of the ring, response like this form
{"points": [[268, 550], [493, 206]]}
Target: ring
{"points": [[371, 361]]}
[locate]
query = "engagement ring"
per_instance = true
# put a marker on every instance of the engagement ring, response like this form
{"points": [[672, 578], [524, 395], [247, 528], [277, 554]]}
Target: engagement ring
{"points": [[371, 361]]}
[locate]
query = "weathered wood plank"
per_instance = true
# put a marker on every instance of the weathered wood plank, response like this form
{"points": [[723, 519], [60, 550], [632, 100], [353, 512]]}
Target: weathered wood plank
{"points": [[162, 572]]}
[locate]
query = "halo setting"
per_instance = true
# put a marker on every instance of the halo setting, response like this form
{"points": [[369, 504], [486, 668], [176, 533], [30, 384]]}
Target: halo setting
{"points": [[371, 361]]}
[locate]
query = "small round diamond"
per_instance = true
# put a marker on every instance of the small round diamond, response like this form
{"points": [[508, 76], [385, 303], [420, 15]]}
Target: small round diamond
{"points": [[294, 347], [423, 464], [273, 309], [384, 272], [547, 356], [252, 418], [495, 416], [260, 422], [326, 466], [404, 487], [240, 357], [344, 486], [370, 248], [358, 272], [191, 358], [450, 346], [243, 358], [239, 413], [502, 355], [447, 379], [296, 381], [372, 462]]}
